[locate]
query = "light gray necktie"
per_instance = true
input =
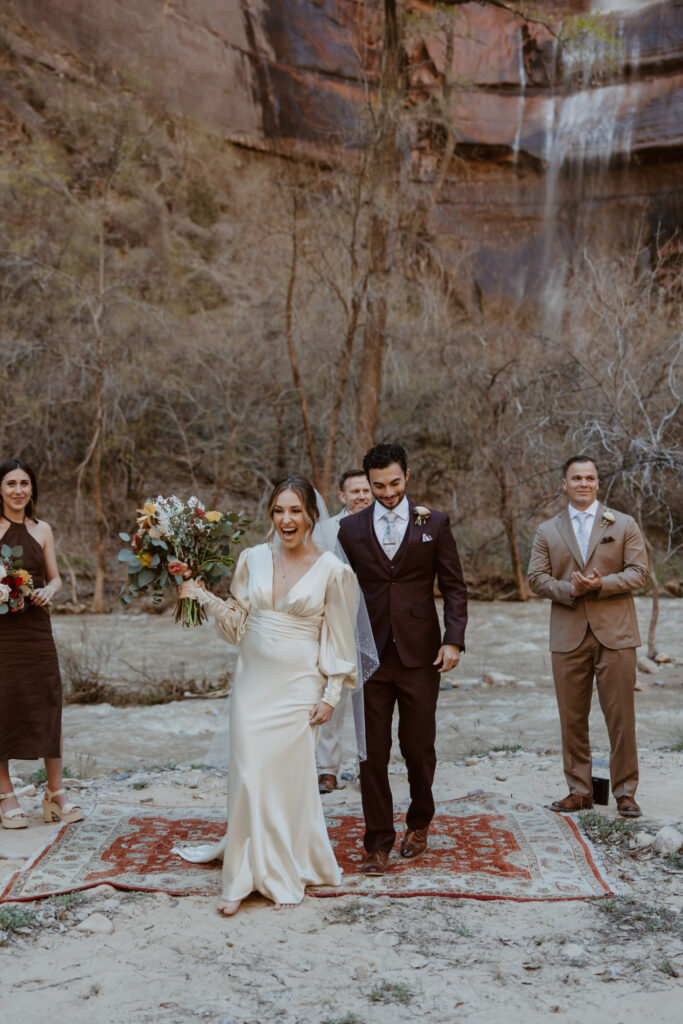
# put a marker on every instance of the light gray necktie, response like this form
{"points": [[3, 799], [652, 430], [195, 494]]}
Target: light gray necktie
{"points": [[582, 534], [390, 538]]}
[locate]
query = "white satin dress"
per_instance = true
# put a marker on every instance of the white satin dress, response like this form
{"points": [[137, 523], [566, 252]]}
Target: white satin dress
{"points": [[277, 842]]}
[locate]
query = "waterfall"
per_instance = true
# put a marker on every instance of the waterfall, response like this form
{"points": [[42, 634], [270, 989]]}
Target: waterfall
{"points": [[589, 122], [522, 97]]}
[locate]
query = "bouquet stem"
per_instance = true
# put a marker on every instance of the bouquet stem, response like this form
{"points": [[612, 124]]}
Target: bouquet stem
{"points": [[189, 612]]}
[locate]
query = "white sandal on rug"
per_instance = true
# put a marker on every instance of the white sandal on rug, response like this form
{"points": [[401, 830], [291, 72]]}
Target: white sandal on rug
{"points": [[53, 812], [15, 818]]}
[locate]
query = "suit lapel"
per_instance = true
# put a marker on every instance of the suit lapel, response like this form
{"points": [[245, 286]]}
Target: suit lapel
{"points": [[376, 549], [566, 531], [596, 532]]}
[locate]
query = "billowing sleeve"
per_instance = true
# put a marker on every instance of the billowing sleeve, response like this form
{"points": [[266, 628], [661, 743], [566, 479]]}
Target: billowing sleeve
{"points": [[231, 615], [337, 660]]}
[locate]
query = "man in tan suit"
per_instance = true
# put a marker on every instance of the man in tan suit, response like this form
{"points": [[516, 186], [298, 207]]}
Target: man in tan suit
{"points": [[587, 560]]}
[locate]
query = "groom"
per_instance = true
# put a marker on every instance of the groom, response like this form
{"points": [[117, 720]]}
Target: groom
{"points": [[397, 549]]}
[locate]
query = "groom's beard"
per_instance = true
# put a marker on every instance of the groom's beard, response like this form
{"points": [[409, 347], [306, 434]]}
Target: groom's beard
{"points": [[391, 502]]}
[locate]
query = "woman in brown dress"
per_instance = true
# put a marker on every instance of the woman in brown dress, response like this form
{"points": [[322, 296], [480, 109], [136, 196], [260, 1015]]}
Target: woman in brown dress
{"points": [[30, 683]]}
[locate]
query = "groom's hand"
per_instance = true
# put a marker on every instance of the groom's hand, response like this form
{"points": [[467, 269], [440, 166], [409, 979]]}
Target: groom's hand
{"points": [[448, 657]]}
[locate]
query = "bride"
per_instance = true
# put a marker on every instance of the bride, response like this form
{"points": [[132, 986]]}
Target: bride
{"points": [[293, 612]]}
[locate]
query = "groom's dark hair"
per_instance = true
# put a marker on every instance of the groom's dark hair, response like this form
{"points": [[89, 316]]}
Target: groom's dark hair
{"points": [[382, 455]]}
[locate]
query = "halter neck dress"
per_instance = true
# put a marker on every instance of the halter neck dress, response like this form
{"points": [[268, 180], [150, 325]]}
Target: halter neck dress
{"points": [[30, 682]]}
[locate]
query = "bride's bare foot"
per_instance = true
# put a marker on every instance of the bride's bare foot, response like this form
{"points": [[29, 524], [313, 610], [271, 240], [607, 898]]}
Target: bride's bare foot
{"points": [[229, 907], [281, 906]]}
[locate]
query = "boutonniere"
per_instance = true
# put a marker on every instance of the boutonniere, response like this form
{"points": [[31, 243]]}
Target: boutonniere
{"points": [[607, 518], [422, 514]]}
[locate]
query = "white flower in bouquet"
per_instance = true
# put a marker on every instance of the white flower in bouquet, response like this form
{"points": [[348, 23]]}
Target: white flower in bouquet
{"points": [[4, 593]]}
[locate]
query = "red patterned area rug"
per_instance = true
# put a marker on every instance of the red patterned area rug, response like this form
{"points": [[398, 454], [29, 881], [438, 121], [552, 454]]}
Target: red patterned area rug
{"points": [[480, 847]]}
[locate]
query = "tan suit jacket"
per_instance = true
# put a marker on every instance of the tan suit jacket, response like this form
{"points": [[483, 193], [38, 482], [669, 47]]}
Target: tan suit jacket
{"points": [[617, 551]]}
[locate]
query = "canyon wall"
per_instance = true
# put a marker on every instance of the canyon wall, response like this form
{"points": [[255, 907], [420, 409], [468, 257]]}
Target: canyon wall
{"points": [[562, 141]]}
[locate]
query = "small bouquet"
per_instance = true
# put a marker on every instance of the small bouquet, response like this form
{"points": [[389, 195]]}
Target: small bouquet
{"points": [[16, 583], [177, 540]]}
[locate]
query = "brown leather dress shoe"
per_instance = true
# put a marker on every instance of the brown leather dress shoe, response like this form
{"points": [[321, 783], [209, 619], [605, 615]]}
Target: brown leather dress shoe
{"points": [[327, 783], [414, 842], [375, 863], [627, 807], [571, 803]]}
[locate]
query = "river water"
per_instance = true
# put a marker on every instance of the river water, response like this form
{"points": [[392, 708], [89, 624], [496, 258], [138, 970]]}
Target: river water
{"points": [[139, 650]]}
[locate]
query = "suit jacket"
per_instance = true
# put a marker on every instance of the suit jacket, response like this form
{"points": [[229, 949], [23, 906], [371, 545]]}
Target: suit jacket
{"points": [[400, 592], [617, 551]]}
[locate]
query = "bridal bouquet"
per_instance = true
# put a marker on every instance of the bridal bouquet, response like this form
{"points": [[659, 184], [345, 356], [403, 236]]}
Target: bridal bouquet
{"points": [[176, 540], [15, 583]]}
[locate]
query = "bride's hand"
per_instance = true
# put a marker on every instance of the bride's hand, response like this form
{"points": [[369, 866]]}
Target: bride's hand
{"points": [[322, 712], [192, 589]]}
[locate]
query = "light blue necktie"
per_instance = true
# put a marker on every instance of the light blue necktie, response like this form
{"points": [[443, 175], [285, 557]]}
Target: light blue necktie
{"points": [[582, 534], [390, 538]]}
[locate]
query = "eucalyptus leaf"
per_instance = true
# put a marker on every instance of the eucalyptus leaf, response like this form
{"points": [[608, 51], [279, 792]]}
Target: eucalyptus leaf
{"points": [[145, 576], [125, 536], [17, 552], [6, 551], [125, 555], [4, 609]]}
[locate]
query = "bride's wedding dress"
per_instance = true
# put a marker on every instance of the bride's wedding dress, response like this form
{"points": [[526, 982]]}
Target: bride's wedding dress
{"points": [[276, 842]]}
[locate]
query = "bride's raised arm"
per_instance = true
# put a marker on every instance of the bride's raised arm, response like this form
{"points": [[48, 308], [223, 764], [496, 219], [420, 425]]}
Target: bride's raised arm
{"points": [[230, 615], [337, 661]]}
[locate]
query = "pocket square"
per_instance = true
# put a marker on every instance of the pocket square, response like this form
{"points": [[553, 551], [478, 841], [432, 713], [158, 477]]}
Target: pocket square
{"points": [[607, 540], [426, 537]]}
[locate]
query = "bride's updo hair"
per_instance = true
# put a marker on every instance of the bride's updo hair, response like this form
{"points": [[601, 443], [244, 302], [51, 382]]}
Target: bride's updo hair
{"points": [[305, 491]]}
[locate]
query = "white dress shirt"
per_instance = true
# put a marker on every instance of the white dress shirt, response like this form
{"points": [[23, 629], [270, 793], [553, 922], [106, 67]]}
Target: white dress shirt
{"points": [[402, 513], [589, 515]]}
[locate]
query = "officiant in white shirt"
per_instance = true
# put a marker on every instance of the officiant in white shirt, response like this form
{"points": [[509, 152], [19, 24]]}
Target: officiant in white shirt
{"points": [[354, 494]]}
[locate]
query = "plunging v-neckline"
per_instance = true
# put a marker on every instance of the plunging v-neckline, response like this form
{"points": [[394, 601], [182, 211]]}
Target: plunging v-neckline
{"points": [[295, 584]]}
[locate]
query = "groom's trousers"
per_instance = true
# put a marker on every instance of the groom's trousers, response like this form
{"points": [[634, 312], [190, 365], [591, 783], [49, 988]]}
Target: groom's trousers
{"points": [[416, 692]]}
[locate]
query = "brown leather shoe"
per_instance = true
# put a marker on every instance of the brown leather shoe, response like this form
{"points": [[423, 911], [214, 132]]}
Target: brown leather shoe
{"points": [[571, 803], [375, 863], [627, 807], [414, 842], [327, 783]]}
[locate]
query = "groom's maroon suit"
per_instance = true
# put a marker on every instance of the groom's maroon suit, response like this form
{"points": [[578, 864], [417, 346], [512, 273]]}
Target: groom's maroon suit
{"points": [[400, 597]]}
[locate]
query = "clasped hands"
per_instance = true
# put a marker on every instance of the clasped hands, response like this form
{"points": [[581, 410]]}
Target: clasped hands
{"points": [[582, 584], [40, 596]]}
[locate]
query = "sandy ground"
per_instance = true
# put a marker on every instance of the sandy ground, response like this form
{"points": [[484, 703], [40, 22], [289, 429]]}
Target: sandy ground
{"points": [[359, 960]]}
